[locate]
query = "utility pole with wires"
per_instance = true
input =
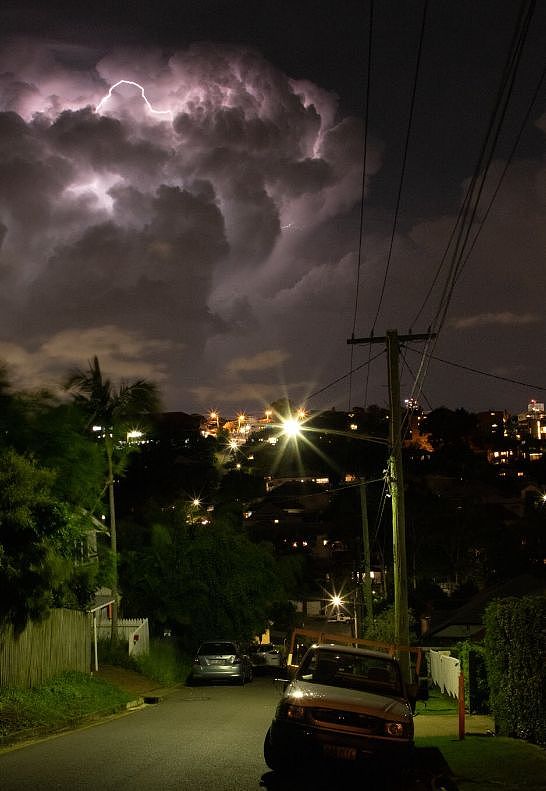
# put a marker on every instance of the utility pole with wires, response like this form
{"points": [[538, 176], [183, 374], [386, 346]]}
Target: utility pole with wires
{"points": [[396, 484]]}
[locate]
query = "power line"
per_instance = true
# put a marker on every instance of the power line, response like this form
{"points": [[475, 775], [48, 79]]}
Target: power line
{"points": [[341, 378], [478, 371], [362, 193], [461, 231], [506, 166], [403, 170]]}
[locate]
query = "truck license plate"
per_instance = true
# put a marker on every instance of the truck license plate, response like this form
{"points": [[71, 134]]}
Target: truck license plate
{"points": [[345, 753]]}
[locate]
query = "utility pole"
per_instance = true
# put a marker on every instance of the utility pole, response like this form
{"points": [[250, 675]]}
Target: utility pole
{"points": [[367, 584], [396, 482]]}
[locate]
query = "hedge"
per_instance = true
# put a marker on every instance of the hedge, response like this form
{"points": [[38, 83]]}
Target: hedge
{"points": [[476, 689], [515, 647]]}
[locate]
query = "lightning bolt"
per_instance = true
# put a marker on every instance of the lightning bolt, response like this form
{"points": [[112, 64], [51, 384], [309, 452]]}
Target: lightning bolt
{"points": [[141, 89]]}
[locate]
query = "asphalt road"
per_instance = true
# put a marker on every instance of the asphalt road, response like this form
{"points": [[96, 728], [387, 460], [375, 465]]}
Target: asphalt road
{"points": [[206, 738]]}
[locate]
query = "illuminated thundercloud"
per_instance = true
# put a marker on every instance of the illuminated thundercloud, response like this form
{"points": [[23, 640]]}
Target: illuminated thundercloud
{"points": [[141, 89]]}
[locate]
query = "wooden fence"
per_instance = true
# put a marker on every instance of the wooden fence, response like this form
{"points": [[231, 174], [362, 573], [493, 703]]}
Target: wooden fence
{"points": [[135, 631], [43, 650]]}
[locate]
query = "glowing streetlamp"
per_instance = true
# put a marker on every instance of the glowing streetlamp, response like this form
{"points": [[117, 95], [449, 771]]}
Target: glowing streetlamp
{"points": [[295, 427], [291, 427]]}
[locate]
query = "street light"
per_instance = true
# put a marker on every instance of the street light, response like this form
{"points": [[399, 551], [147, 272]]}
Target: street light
{"points": [[291, 427], [337, 601]]}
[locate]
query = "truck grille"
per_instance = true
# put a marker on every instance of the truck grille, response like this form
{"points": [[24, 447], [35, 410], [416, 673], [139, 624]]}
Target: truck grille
{"points": [[348, 719]]}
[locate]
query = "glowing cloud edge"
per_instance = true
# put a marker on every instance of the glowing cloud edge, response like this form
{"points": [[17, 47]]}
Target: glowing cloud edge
{"points": [[142, 93]]}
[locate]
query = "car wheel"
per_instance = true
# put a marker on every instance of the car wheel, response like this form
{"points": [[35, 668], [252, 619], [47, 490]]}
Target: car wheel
{"points": [[271, 756]]}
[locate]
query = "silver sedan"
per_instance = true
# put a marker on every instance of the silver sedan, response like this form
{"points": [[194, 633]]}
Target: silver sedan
{"points": [[221, 660]]}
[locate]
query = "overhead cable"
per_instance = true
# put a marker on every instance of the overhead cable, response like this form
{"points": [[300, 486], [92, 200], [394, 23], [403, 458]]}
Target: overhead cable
{"points": [[362, 193], [465, 219]]}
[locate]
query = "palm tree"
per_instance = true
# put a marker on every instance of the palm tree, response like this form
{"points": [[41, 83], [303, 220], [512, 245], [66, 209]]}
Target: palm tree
{"points": [[114, 411]]}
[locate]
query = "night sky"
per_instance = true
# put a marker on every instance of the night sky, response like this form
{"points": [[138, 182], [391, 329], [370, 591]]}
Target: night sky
{"points": [[205, 234]]}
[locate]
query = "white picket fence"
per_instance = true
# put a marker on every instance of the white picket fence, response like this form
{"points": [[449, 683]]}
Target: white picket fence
{"points": [[444, 671], [134, 630]]}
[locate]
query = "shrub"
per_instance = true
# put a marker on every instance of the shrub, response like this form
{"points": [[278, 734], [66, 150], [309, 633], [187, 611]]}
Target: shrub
{"points": [[514, 645], [116, 653], [165, 663], [476, 690]]}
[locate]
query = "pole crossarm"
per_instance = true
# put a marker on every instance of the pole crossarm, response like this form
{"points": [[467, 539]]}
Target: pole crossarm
{"points": [[420, 336]]}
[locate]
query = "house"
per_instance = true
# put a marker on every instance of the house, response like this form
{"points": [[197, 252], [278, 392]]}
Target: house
{"points": [[466, 623]]}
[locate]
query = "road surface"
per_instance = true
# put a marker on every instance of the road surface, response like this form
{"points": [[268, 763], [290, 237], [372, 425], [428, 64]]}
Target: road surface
{"points": [[206, 738]]}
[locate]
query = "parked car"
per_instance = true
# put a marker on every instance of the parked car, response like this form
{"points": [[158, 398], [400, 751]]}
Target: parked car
{"points": [[221, 660], [267, 656], [343, 703]]}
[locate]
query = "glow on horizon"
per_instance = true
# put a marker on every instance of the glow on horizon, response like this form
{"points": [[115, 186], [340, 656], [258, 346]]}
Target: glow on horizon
{"points": [[141, 89]]}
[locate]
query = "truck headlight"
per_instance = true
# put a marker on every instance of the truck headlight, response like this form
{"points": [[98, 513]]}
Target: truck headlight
{"points": [[395, 729], [289, 711]]}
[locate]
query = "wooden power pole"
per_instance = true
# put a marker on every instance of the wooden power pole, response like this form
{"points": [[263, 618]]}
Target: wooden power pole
{"points": [[367, 582], [396, 483]]}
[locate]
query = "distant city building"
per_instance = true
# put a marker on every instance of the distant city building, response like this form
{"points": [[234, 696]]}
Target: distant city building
{"points": [[533, 422]]}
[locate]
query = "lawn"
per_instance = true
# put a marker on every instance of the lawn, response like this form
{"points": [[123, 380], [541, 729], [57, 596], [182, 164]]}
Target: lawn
{"points": [[482, 763], [60, 703]]}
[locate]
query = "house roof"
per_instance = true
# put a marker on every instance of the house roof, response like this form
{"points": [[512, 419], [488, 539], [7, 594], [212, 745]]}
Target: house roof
{"points": [[468, 620]]}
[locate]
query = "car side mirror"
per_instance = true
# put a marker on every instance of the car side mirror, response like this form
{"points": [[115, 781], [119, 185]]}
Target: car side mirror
{"points": [[281, 684]]}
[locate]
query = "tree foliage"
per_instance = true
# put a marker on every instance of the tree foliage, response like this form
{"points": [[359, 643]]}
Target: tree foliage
{"points": [[38, 536], [114, 411], [201, 581]]}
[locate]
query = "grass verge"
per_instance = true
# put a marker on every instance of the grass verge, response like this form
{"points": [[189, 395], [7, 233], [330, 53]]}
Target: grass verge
{"points": [[69, 697], [482, 763], [437, 703], [164, 663], [60, 703]]}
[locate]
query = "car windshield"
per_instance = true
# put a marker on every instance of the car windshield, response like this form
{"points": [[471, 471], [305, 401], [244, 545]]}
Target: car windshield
{"points": [[217, 649], [352, 671]]}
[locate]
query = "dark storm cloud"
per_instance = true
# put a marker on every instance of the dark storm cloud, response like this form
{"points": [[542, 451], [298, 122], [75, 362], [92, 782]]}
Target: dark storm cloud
{"points": [[157, 237], [205, 234], [101, 143]]}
